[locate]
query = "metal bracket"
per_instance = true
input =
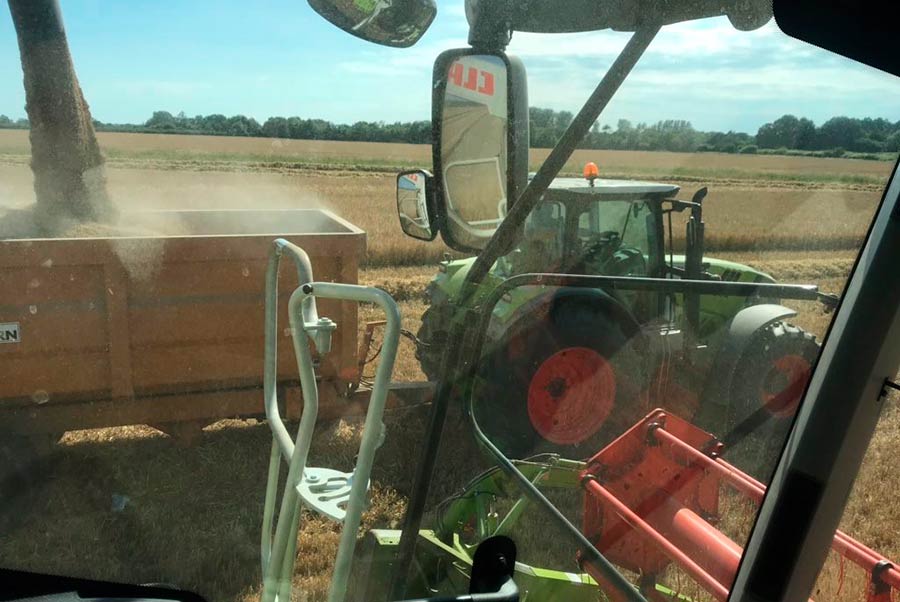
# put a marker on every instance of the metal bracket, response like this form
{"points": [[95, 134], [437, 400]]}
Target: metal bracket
{"points": [[320, 333], [889, 384], [327, 491]]}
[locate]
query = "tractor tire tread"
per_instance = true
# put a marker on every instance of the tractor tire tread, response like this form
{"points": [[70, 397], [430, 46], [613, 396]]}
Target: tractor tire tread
{"points": [[758, 453]]}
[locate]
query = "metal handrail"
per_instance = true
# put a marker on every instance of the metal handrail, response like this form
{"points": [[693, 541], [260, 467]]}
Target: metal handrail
{"points": [[309, 314], [373, 429], [274, 558]]}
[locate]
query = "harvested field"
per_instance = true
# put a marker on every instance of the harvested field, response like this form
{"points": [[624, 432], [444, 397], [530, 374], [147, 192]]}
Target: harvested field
{"points": [[129, 504]]}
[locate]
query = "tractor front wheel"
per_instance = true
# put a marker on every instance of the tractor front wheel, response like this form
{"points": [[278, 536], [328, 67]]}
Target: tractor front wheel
{"points": [[567, 385], [766, 391]]}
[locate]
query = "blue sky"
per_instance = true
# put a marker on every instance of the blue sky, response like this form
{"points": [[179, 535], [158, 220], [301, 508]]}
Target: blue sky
{"points": [[278, 57]]}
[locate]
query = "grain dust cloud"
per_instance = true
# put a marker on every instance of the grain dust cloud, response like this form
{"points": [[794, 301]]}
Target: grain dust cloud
{"points": [[149, 202]]}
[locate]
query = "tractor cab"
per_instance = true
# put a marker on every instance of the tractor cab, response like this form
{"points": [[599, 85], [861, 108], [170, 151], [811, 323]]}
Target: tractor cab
{"points": [[609, 227], [597, 227]]}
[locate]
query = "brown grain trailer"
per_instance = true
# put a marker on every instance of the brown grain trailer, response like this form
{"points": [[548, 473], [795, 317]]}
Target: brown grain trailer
{"points": [[163, 330]]}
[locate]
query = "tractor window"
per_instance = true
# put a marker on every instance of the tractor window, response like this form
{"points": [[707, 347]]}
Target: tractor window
{"points": [[544, 237], [589, 222], [612, 238], [634, 231], [602, 216]]}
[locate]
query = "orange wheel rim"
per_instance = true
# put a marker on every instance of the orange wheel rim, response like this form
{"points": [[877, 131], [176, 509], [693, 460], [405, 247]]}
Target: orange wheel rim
{"points": [[571, 395]]}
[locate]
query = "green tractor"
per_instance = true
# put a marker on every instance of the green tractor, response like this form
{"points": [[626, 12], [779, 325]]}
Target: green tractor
{"points": [[564, 369]]}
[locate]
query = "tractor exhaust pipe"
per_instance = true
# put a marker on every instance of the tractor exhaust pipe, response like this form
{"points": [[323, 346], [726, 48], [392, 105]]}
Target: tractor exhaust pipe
{"points": [[693, 261]]}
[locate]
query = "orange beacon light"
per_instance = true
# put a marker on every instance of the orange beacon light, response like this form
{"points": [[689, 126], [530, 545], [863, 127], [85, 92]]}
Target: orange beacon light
{"points": [[591, 172]]}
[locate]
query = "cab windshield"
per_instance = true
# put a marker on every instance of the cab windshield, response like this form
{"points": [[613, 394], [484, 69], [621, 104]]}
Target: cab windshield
{"points": [[225, 369]]}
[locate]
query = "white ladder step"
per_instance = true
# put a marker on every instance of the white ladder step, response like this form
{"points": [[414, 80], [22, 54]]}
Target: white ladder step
{"points": [[326, 491]]}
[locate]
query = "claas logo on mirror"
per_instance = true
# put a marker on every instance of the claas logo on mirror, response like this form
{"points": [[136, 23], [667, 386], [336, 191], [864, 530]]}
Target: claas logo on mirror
{"points": [[471, 78]]}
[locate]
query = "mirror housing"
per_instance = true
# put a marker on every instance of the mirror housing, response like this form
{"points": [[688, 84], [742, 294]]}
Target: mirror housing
{"points": [[480, 143], [415, 204], [396, 23]]}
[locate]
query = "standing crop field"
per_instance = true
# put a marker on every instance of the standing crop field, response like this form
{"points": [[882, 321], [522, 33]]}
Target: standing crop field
{"points": [[193, 515], [119, 146]]}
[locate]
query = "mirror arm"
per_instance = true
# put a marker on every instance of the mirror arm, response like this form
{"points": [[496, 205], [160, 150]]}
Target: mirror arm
{"points": [[490, 29], [509, 229]]}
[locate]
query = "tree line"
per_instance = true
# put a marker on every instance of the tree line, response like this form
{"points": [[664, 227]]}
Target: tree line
{"points": [[836, 137], [415, 132]]}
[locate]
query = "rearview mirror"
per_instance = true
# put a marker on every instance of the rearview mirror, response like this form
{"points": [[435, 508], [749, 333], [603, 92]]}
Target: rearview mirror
{"points": [[398, 23], [415, 204], [480, 121]]}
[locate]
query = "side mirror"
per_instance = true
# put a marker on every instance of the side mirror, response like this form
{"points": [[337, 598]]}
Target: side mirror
{"points": [[700, 195], [398, 23], [415, 204], [480, 150]]}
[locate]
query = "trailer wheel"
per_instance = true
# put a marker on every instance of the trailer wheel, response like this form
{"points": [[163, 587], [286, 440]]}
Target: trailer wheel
{"points": [[567, 385], [765, 393]]}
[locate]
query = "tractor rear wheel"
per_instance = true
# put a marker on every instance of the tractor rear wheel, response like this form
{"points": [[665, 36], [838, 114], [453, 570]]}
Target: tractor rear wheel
{"points": [[765, 393], [567, 385]]}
